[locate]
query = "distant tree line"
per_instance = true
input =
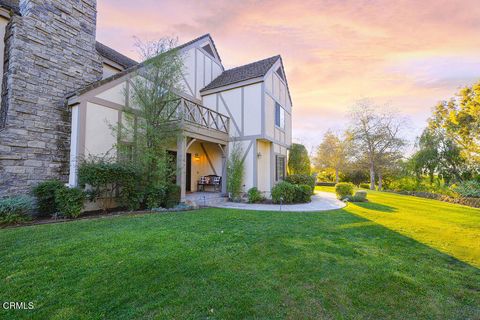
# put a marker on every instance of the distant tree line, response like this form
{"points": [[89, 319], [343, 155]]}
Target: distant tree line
{"points": [[372, 150]]}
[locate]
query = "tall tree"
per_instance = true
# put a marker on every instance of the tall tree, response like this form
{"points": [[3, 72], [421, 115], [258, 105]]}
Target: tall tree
{"points": [[149, 123], [331, 153], [375, 136], [298, 160], [460, 118], [439, 154]]}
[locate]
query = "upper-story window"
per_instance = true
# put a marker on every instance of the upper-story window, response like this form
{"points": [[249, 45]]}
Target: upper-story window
{"points": [[279, 116]]}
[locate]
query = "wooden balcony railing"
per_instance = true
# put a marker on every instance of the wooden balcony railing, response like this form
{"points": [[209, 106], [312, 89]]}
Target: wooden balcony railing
{"points": [[195, 113]]}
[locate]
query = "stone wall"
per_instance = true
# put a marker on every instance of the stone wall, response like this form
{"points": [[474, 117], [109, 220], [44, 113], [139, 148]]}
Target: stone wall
{"points": [[50, 52]]}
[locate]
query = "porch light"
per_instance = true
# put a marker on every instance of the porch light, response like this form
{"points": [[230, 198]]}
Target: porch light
{"points": [[259, 155], [196, 156]]}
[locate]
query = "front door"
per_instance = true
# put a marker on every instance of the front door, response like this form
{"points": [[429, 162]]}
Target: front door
{"points": [[188, 185]]}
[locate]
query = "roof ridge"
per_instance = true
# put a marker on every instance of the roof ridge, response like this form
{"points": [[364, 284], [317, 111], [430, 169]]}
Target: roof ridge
{"points": [[247, 64]]}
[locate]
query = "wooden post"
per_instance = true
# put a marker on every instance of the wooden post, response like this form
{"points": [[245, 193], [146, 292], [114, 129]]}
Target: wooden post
{"points": [[224, 168], [182, 165]]}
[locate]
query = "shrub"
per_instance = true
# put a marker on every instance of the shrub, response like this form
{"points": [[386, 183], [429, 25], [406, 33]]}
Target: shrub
{"points": [[344, 189], [69, 201], [254, 195], [303, 193], [156, 197], [302, 179], [283, 192], [104, 180], [173, 196], [235, 172], [469, 189], [16, 209], [365, 185], [360, 196], [45, 194], [298, 161]]}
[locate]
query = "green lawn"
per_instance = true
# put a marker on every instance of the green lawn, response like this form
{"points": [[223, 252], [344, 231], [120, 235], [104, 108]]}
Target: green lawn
{"points": [[396, 257]]}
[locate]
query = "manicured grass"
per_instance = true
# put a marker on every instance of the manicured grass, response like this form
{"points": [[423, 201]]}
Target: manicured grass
{"points": [[355, 263], [450, 228]]}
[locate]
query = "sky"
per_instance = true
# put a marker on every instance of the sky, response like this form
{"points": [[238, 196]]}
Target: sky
{"points": [[405, 54]]}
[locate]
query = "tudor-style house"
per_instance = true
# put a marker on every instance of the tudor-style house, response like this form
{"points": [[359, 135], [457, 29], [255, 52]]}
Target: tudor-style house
{"points": [[71, 89]]}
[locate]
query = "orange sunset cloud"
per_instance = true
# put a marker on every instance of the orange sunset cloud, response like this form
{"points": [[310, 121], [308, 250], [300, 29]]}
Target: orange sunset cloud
{"points": [[409, 54]]}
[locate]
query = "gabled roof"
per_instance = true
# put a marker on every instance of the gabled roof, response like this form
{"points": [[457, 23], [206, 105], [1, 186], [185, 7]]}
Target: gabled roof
{"points": [[207, 35], [134, 67], [242, 73], [115, 56]]}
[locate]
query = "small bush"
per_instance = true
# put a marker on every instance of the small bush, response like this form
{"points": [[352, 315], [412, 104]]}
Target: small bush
{"points": [[469, 189], [254, 195], [344, 189], [302, 179], [303, 193], [365, 185], [45, 194], [156, 197], [360, 196], [173, 196], [69, 201], [283, 192], [16, 209]]}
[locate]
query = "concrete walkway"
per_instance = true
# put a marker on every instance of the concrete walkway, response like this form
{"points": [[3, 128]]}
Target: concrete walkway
{"points": [[321, 201]]}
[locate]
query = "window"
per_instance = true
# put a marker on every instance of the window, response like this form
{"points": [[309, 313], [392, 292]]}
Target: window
{"points": [[279, 116], [279, 168]]}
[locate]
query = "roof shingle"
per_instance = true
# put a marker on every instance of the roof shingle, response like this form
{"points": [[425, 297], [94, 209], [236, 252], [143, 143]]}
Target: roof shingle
{"points": [[114, 55], [242, 73]]}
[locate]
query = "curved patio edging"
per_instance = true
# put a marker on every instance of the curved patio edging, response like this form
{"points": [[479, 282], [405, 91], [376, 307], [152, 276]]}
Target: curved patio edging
{"points": [[321, 201]]}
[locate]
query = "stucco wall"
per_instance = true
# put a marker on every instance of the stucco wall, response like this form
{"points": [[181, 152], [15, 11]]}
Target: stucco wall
{"points": [[108, 70], [200, 68], [99, 138], [263, 176]]}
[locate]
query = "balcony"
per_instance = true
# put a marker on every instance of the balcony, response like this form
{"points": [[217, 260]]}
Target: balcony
{"points": [[199, 120]]}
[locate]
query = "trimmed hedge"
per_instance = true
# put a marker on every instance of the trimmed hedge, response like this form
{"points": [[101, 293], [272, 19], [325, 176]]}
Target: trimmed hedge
{"points": [[45, 194], [326, 184], [69, 201], [283, 192], [303, 193], [287, 193], [16, 209], [302, 179], [471, 202], [344, 190]]}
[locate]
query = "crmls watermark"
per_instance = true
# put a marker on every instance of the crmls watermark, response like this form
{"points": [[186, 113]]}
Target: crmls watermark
{"points": [[11, 305]]}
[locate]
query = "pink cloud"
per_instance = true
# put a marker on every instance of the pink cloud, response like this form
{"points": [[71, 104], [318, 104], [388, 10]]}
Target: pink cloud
{"points": [[410, 53]]}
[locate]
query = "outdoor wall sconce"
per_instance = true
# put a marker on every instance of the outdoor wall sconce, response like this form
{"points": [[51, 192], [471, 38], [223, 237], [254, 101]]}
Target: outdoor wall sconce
{"points": [[259, 155], [196, 156]]}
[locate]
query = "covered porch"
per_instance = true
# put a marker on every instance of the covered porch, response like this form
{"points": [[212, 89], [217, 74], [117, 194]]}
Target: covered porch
{"points": [[202, 149]]}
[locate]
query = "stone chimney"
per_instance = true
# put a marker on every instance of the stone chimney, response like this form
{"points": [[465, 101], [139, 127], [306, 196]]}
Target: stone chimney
{"points": [[49, 53]]}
